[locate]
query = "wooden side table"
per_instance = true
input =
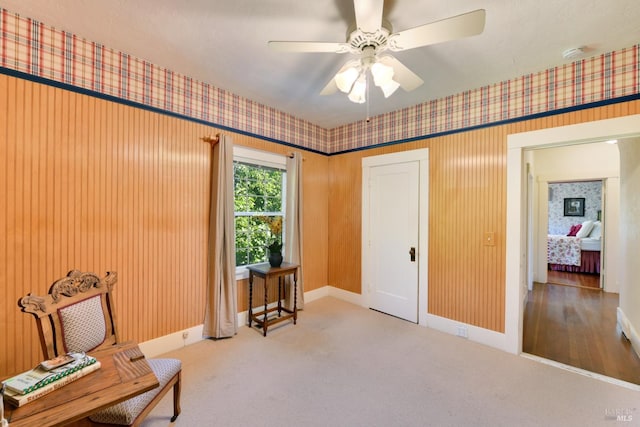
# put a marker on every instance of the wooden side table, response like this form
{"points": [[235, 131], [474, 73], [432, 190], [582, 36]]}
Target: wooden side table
{"points": [[266, 272]]}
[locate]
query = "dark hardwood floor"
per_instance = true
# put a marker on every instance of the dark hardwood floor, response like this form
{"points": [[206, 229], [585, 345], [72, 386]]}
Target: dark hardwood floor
{"points": [[577, 326], [573, 279]]}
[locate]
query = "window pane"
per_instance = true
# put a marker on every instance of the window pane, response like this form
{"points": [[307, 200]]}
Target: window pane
{"points": [[258, 193]]}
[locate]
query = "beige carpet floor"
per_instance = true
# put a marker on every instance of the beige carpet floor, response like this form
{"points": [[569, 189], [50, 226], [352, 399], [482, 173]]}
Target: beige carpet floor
{"points": [[344, 365]]}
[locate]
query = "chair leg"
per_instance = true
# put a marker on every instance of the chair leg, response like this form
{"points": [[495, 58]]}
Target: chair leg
{"points": [[176, 397]]}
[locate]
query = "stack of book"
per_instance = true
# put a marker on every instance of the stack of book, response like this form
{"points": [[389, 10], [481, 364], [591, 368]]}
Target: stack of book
{"points": [[47, 377]]}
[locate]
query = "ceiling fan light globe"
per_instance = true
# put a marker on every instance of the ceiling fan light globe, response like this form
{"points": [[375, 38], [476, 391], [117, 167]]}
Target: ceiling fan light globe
{"points": [[382, 74], [357, 99], [358, 92], [345, 79], [389, 88]]}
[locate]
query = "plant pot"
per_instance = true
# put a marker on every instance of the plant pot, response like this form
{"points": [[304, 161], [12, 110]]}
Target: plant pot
{"points": [[275, 259]]}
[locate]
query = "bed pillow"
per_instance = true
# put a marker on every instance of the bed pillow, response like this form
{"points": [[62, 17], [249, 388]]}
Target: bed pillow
{"points": [[574, 229], [596, 232], [585, 229]]}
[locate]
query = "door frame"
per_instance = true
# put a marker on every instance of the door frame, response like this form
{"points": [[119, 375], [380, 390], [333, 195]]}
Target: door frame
{"points": [[422, 157], [515, 280]]}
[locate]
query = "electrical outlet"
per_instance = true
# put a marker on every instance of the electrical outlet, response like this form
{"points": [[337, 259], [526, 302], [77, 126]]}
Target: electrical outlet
{"points": [[185, 335], [462, 332]]}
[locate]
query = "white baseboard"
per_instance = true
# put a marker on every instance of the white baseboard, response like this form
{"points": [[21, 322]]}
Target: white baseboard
{"points": [[330, 291], [347, 296], [473, 333], [173, 341], [628, 330], [316, 294], [176, 340], [494, 339]]}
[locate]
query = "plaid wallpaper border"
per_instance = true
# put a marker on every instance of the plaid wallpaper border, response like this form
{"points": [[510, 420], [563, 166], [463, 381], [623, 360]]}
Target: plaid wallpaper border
{"points": [[34, 48], [597, 79]]}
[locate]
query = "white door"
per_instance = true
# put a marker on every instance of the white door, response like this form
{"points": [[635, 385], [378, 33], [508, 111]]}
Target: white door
{"points": [[393, 239]]}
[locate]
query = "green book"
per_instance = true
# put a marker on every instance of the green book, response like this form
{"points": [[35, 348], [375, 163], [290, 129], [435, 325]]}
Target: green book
{"points": [[17, 399], [38, 377]]}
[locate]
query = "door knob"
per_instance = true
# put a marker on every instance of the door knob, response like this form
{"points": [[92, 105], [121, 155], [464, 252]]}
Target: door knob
{"points": [[412, 253]]}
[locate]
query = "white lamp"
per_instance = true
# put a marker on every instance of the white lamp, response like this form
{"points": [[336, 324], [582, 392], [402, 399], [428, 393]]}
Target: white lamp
{"points": [[345, 79], [383, 78], [389, 87], [381, 73], [358, 92], [352, 78]]}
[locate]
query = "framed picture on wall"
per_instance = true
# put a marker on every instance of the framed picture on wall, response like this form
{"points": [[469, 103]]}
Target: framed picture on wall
{"points": [[574, 206]]}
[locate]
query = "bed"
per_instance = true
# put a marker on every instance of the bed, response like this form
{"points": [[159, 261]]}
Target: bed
{"points": [[578, 254]]}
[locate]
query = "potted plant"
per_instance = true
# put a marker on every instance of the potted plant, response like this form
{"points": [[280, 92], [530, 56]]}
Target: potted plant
{"points": [[274, 245]]}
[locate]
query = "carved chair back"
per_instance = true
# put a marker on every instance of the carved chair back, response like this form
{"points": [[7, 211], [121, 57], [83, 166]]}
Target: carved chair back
{"points": [[77, 315]]}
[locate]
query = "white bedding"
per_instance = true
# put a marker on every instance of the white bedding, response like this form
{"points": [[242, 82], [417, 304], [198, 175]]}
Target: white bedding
{"points": [[589, 244]]}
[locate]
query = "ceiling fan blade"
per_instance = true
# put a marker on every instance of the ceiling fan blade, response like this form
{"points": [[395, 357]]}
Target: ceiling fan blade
{"points": [[290, 46], [368, 14], [330, 88], [456, 27], [408, 79]]}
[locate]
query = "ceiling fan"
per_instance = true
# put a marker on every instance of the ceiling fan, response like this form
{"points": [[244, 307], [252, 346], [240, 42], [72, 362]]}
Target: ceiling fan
{"points": [[371, 38]]}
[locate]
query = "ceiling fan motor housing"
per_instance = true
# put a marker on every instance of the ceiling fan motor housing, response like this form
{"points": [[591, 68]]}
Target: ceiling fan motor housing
{"points": [[358, 39]]}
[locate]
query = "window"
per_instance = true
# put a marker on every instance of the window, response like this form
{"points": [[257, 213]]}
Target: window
{"points": [[259, 181]]}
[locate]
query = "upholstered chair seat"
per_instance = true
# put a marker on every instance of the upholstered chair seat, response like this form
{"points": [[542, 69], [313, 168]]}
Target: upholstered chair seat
{"points": [[126, 412]]}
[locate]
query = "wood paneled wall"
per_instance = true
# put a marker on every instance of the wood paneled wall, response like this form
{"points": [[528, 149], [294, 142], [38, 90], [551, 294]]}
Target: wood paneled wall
{"points": [[467, 197], [90, 184], [100, 186]]}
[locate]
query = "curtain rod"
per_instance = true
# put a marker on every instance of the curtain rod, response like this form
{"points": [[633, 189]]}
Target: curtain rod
{"points": [[213, 140]]}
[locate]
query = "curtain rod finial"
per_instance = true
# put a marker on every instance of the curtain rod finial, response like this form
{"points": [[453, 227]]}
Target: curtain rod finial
{"points": [[211, 139]]}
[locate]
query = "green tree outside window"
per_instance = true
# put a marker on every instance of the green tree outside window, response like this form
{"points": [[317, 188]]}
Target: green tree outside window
{"points": [[259, 192]]}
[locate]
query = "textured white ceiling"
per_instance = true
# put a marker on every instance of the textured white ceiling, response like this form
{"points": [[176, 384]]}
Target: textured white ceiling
{"points": [[224, 43]]}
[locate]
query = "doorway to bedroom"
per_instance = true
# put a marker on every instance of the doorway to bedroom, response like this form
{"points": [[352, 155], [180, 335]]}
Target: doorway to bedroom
{"points": [[574, 229], [583, 197], [623, 226], [568, 317]]}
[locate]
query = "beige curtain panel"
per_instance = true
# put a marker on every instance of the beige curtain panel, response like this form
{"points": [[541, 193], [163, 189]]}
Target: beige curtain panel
{"points": [[293, 226], [221, 309]]}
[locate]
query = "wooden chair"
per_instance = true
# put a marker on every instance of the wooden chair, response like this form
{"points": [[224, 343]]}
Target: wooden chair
{"points": [[77, 315]]}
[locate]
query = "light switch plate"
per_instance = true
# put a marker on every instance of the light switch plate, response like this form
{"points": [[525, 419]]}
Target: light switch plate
{"points": [[489, 238]]}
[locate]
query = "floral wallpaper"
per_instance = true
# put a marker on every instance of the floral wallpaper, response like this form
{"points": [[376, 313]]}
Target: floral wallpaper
{"points": [[592, 193]]}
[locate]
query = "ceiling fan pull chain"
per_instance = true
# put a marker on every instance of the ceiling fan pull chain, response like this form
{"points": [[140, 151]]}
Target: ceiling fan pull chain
{"points": [[368, 98]]}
